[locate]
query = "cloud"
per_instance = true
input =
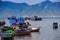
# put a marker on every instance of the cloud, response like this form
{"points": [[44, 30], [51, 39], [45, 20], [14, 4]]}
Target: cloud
{"points": [[26, 1], [30, 1], [55, 0]]}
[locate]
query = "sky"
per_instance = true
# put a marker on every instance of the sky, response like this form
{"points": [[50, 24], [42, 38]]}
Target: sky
{"points": [[30, 2]]}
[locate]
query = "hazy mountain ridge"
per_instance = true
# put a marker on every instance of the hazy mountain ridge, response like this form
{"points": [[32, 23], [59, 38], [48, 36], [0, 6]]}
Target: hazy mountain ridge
{"points": [[46, 8]]}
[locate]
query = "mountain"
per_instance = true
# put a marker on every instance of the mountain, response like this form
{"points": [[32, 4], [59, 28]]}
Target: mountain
{"points": [[10, 8], [45, 8]]}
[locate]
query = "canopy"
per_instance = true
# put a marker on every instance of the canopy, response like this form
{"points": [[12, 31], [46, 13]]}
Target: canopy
{"points": [[21, 20], [12, 20], [12, 17]]}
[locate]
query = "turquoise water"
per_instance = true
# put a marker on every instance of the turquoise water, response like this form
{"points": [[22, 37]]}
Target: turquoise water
{"points": [[46, 31]]}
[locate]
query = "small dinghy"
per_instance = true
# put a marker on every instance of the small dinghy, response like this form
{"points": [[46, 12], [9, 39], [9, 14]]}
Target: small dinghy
{"points": [[34, 29]]}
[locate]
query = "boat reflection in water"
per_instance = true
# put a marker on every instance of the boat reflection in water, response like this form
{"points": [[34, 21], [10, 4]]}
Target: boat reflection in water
{"points": [[27, 37]]}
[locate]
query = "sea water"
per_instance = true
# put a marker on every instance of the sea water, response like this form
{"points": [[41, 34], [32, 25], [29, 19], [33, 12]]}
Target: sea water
{"points": [[46, 30]]}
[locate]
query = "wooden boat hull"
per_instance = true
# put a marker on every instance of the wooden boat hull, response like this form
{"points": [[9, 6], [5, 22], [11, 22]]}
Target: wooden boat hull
{"points": [[21, 33]]}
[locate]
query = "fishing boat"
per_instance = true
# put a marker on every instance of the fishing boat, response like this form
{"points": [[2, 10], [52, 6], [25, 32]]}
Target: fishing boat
{"points": [[21, 32], [36, 18]]}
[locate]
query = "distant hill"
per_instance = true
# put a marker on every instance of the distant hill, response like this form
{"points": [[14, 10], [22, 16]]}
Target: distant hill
{"points": [[45, 8]]}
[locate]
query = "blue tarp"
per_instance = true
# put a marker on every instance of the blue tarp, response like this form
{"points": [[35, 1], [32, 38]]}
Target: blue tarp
{"points": [[12, 20], [19, 30], [21, 20]]}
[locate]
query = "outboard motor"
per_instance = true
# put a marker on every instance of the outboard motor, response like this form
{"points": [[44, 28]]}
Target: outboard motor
{"points": [[55, 25]]}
